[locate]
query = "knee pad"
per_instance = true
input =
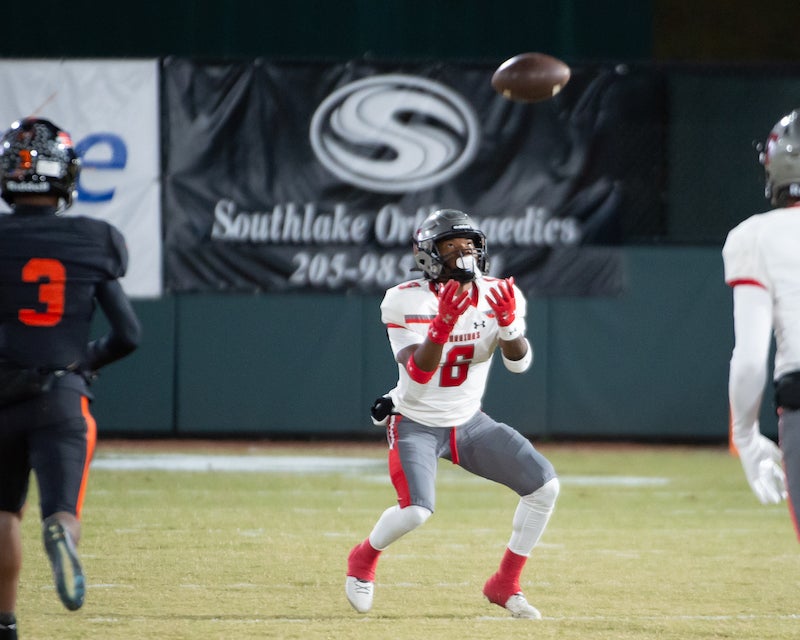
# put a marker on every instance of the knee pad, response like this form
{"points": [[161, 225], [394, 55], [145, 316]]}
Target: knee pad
{"points": [[415, 516], [545, 496]]}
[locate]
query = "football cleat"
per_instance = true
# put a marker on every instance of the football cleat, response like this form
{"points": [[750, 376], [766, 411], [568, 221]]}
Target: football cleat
{"points": [[8, 628], [520, 608], [67, 571], [359, 593], [497, 593]]}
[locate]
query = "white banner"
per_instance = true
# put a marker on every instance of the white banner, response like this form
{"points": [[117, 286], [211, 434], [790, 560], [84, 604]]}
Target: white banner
{"points": [[110, 108]]}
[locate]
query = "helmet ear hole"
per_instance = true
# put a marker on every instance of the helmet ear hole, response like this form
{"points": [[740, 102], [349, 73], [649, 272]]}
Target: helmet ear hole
{"points": [[426, 263]]}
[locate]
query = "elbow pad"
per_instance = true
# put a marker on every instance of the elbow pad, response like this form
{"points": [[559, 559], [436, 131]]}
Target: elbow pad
{"points": [[521, 365]]}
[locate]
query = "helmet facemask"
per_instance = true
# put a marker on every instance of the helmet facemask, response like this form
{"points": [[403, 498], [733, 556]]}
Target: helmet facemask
{"points": [[467, 263]]}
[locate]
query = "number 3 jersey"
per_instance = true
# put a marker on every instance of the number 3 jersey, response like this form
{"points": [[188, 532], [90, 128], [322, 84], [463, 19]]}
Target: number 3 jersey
{"points": [[49, 268], [455, 392]]}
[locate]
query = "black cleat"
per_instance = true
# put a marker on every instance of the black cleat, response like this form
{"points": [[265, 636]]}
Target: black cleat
{"points": [[67, 571], [8, 629]]}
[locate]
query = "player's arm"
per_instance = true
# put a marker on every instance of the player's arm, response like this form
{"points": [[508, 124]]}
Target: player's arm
{"points": [[752, 327], [125, 331], [760, 456], [516, 350], [421, 360]]}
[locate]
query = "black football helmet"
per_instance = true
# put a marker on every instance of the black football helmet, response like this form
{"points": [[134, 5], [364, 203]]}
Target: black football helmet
{"points": [[37, 157], [781, 159], [441, 225]]}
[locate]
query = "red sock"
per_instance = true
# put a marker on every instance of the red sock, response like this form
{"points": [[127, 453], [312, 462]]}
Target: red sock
{"points": [[362, 561], [505, 583]]}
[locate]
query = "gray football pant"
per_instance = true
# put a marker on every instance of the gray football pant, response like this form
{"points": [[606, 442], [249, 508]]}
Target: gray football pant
{"points": [[789, 430], [482, 446]]}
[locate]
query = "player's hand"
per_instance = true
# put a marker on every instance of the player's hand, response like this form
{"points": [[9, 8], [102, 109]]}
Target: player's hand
{"points": [[451, 305], [501, 300], [762, 462], [381, 410]]}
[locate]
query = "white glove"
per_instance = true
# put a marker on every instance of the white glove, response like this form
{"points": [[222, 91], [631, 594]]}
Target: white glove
{"points": [[762, 462]]}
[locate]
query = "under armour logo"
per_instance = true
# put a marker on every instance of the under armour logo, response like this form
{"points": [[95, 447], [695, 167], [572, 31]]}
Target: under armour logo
{"points": [[482, 323]]}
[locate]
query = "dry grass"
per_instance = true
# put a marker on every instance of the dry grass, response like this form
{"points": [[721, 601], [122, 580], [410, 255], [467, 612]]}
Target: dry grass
{"points": [[180, 555]]}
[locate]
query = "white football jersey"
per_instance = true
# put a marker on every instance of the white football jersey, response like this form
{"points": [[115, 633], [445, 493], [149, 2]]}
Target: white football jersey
{"points": [[455, 392], [764, 250]]}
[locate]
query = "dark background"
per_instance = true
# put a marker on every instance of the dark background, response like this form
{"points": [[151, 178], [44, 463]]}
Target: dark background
{"points": [[661, 30], [650, 364]]}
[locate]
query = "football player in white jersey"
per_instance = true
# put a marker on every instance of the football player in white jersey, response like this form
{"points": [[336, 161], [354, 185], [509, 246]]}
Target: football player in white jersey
{"points": [[762, 264], [443, 329]]}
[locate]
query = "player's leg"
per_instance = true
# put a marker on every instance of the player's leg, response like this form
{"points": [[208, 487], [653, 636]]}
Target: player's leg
{"points": [[789, 429], [10, 565], [497, 452], [14, 473], [60, 455], [412, 467]]}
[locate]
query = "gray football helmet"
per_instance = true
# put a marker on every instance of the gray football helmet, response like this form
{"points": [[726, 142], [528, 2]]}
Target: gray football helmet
{"points": [[440, 225], [37, 157], [781, 159]]}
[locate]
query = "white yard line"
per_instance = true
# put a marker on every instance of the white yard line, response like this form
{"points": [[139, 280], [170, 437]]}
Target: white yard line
{"points": [[305, 464]]}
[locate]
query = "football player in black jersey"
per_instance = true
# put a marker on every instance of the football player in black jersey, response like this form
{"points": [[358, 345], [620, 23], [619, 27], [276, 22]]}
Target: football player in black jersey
{"points": [[54, 271]]}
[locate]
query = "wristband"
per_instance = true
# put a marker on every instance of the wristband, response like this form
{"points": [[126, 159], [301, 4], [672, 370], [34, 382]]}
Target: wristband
{"points": [[512, 331], [521, 365], [417, 374]]}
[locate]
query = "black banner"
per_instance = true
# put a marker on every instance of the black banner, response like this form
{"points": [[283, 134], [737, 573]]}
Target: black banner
{"points": [[290, 175]]}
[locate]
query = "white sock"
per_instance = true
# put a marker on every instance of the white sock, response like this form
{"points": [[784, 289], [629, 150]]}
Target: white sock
{"points": [[531, 517]]}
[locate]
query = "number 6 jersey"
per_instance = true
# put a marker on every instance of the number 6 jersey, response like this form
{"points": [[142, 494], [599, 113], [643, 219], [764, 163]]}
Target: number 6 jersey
{"points": [[455, 392]]}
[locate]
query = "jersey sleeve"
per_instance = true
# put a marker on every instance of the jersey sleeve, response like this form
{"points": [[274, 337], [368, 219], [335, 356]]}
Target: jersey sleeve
{"points": [[398, 327], [119, 252], [742, 257]]}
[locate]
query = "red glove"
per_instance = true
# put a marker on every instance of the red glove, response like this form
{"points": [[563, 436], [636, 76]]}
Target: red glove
{"points": [[451, 306], [501, 300]]}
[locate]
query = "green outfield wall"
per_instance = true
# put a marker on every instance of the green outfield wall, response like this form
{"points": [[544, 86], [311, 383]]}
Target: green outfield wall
{"points": [[649, 364]]}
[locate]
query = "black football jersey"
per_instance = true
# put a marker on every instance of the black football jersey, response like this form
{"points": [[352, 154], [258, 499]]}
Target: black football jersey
{"points": [[50, 267]]}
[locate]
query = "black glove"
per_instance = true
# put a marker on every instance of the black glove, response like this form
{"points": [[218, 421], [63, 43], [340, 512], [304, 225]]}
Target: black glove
{"points": [[380, 411]]}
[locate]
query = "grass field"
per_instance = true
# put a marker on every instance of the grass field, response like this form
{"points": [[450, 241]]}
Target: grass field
{"points": [[645, 542]]}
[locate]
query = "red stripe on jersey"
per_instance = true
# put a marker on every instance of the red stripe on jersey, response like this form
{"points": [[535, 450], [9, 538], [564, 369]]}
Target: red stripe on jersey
{"points": [[453, 445], [396, 472], [419, 319], [750, 281]]}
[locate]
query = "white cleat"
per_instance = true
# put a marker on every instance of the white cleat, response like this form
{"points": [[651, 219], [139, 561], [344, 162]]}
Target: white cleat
{"points": [[520, 608], [359, 593]]}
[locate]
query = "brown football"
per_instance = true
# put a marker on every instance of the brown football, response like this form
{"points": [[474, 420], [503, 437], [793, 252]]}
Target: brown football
{"points": [[530, 77]]}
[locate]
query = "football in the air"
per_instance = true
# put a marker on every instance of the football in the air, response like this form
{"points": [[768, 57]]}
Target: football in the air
{"points": [[530, 77]]}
